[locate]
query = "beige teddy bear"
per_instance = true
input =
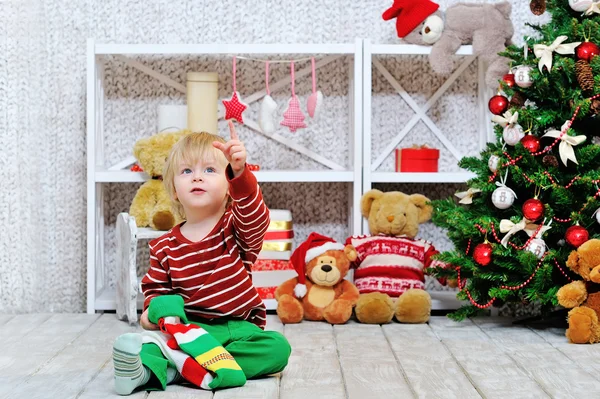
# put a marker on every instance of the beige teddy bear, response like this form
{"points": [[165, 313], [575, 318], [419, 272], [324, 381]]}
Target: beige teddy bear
{"points": [[151, 205], [486, 26], [390, 263]]}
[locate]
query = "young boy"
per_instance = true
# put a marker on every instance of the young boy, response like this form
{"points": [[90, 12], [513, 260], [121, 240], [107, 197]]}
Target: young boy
{"points": [[206, 260]]}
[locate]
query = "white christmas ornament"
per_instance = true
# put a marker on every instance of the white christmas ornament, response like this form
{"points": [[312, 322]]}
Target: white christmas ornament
{"points": [[503, 197], [523, 76], [580, 5], [268, 106], [493, 162], [537, 246], [266, 118], [513, 134], [315, 100]]}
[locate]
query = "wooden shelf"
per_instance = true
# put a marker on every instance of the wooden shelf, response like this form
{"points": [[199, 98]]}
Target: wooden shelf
{"points": [[126, 176], [404, 177]]}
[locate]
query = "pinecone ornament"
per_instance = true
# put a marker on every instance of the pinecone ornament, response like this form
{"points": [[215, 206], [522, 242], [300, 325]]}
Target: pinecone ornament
{"points": [[585, 77], [550, 161], [595, 106], [538, 7], [517, 100]]}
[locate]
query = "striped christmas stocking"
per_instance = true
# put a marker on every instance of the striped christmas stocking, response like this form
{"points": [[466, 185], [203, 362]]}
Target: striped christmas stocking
{"points": [[203, 347]]}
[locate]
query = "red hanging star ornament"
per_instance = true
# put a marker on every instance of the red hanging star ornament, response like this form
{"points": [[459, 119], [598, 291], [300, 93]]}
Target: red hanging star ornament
{"points": [[293, 117], [234, 107]]}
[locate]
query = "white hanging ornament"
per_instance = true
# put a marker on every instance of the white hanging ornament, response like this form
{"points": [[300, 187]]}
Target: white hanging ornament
{"points": [[523, 76], [268, 106], [537, 246], [493, 163], [503, 197], [315, 100], [580, 5], [512, 134]]}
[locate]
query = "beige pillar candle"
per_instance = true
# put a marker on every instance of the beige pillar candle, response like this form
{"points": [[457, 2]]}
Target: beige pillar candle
{"points": [[202, 101]]}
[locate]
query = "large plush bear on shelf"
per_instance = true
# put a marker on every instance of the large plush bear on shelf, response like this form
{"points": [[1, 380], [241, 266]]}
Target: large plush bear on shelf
{"points": [[486, 26], [390, 263], [583, 296], [151, 205], [320, 291]]}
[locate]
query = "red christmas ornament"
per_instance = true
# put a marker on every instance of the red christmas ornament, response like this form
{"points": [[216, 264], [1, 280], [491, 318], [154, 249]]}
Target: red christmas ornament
{"points": [[576, 235], [533, 209], [498, 104], [482, 254], [586, 51], [509, 79], [531, 142]]}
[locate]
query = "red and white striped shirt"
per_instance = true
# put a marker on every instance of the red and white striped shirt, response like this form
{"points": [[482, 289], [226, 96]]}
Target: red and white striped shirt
{"points": [[213, 276], [391, 265]]}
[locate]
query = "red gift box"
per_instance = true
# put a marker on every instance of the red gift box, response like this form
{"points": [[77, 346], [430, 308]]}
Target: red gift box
{"points": [[417, 159]]}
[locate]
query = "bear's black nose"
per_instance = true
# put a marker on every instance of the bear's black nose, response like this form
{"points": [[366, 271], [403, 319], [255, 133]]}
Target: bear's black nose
{"points": [[326, 268]]}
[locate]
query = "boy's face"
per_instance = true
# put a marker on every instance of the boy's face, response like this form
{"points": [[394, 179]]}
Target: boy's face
{"points": [[201, 187]]}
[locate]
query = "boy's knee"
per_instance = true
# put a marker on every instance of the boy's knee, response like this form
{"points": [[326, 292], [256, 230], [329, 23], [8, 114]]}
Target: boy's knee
{"points": [[281, 347]]}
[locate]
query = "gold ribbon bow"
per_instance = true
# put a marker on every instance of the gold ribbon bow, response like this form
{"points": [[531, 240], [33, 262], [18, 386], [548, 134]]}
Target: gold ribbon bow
{"points": [[594, 8], [544, 53], [510, 228], [565, 149], [418, 147], [466, 197], [508, 119]]}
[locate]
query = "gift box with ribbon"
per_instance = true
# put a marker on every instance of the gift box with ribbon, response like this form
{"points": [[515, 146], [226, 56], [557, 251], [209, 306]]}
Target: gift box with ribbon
{"points": [[273, 265], [417, 159]]}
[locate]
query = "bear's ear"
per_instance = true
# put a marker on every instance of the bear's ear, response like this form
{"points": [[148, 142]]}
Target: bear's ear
{"points": [[367, 201], [422, 204], [139, 147], [573, 261]]}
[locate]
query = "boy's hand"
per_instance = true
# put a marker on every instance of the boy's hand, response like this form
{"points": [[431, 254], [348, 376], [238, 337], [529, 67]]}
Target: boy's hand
{"points": [[146, 324], [234, 151]]}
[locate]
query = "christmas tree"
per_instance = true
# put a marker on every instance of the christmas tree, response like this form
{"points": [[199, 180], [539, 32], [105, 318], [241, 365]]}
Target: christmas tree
{"points": [[535, 194]]}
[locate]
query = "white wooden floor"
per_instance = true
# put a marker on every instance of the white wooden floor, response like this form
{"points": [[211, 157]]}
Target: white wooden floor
{"points": [[69, 356]]}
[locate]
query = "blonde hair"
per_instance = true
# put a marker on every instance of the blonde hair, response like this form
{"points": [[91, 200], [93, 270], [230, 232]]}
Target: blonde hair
{"points": [[190, 149]]}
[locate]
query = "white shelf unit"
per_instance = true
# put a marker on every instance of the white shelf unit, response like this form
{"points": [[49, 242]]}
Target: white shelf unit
{"points": [[370, 174], [99, 296]]}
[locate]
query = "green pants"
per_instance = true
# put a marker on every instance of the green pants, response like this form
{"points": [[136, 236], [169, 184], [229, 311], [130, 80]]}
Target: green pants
{"points": [[257, 352]]}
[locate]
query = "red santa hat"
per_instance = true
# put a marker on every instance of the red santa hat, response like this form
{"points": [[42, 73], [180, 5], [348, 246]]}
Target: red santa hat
{"points": [[315, 245], [409, 14]]}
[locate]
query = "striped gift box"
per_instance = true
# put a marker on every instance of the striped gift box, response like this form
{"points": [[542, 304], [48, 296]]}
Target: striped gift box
{"points": [[278, 239], [273, 266]]}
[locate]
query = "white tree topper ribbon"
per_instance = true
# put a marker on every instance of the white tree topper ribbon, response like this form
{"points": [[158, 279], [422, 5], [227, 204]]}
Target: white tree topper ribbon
{"points": [[544, 53], [510, 228], [594, 8], [466, 197], [508, 119], [565, 149]]}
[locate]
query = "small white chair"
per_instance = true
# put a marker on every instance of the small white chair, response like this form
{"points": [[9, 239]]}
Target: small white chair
{"points": [[128, 282]]}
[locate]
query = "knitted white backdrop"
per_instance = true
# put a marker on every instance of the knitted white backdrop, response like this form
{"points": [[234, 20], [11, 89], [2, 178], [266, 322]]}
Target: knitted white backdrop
{"points": [[42, 118]]}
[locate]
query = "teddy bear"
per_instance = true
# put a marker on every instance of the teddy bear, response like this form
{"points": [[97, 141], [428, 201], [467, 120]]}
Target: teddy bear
{"points": [[151, 205], [583, 296], [486, 26], [320, 291], [390, 262]]}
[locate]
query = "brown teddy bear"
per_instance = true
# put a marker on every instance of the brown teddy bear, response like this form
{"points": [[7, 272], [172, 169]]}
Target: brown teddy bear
{"points": [[151, 205], [583, 296], [487, 26], [320, 291], [391, 261]]}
